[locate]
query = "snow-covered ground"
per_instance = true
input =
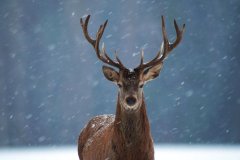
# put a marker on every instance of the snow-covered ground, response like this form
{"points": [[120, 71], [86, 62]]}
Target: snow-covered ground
{"points": [[162, 152]]}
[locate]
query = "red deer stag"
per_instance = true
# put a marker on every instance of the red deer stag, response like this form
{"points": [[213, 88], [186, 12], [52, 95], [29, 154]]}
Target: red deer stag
{"points": [[125, 136]]}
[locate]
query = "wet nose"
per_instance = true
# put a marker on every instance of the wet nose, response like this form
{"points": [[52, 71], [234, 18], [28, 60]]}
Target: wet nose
{"points": [[131, 100]]}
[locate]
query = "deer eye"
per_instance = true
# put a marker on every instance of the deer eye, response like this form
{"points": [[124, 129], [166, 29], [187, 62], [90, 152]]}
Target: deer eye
{"points": [[119, 85], [141, 86]]}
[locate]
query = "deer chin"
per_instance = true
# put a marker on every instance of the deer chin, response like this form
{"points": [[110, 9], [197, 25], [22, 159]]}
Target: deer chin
{"points": [[131, 109]]}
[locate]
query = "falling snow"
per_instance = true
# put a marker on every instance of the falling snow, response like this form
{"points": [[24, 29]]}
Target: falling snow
{"points": [[51, 82]]}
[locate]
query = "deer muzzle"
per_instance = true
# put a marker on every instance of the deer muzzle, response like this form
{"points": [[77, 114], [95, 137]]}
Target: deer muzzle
{"points": [[131, 100]]}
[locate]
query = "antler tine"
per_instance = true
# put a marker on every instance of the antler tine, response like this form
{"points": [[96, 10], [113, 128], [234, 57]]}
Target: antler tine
{"points": [[179, 35], [142, 57], [141, 60], [166, 47], [108, 59], [119, 61], [165, 42], [95, 43], [85, 30]]}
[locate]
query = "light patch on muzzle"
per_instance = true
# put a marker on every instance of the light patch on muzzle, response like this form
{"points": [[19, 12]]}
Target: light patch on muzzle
{"points": [[131, 103]]}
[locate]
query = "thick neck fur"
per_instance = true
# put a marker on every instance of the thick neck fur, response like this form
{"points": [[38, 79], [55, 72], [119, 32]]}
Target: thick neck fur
{"points": [[132, 138]]}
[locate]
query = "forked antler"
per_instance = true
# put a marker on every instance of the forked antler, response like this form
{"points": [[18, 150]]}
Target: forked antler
{"points": [[166, 47], [102, 55]]}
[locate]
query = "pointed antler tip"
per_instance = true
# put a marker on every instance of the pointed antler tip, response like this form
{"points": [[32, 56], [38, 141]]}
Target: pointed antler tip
{"points": [[163, 18], [105, 23], [87, 19], [163, 22], [175, 21]]}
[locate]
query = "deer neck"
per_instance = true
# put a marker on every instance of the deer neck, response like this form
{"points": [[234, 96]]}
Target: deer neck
{"points": [[132, 132]]}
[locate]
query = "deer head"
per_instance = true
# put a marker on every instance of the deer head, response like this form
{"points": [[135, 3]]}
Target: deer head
{"points": [[131, 82]]}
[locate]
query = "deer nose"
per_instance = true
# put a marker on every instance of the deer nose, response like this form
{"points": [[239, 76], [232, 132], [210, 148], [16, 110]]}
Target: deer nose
{"points": [[131, 100]]}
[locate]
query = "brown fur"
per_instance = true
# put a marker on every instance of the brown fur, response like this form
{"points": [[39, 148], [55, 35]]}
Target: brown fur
{"points": [[125, 136]]}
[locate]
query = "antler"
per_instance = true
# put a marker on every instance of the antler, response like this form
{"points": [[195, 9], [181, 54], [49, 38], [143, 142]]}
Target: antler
{"points": [[102, 55], [166, 47]]}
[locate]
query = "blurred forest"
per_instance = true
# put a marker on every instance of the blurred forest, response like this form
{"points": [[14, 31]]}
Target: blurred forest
{"points": [[51, 82]]}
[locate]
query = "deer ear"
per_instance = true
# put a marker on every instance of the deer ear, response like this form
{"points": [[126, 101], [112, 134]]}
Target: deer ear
{"points": [[110, 74], [152, 72]]}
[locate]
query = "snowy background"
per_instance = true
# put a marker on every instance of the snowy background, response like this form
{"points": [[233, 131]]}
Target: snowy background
{"points": [[162, 152], [51, 82]]}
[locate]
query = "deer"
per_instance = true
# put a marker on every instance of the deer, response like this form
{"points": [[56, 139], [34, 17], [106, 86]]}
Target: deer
{"points": [[125, 135]]}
